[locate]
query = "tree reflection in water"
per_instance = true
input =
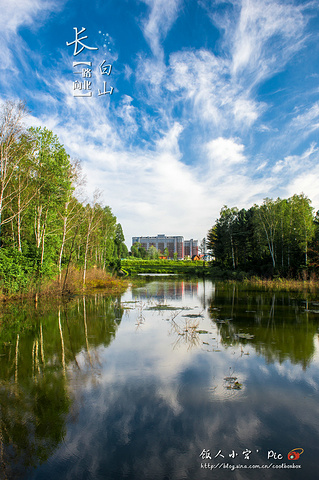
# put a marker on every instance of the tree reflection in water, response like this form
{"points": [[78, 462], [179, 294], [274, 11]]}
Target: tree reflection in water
{"points": [[34, 366]]}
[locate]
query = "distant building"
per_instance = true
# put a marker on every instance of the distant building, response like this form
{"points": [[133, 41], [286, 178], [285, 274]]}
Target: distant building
{"points": [[174, 244], [190, 248]]}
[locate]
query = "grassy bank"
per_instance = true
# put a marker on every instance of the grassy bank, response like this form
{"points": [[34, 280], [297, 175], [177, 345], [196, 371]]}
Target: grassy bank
{"points": [[310, 283], [134, 266], [96, 279], [305, 280]]}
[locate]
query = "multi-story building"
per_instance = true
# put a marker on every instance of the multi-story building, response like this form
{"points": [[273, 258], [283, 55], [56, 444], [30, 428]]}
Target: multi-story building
{"points": [[190, 248], [174, 244]]}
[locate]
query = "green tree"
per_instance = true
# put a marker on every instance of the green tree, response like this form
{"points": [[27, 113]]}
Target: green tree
{"points": [[273, 237], [119, 239], [70, 213], [267, 221], [15, 147], [53, 184], [142, 252], [93, 218], [124, 250], [153, 253], [221, 238], [135, 250], [303, 223], [106, 243]]}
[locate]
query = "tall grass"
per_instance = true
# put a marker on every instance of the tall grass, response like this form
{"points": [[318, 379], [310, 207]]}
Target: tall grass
{"points": [[95, 279], [304, 282]]}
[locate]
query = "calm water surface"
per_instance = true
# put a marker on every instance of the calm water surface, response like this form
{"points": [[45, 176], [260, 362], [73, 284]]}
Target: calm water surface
{"points": [[164, 383]]}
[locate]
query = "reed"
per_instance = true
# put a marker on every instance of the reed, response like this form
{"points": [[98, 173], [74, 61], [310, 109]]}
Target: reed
{"points": [[95, 279], [303, 282]]}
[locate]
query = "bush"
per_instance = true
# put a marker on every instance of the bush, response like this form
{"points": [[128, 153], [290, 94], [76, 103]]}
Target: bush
{"points": [[15, 270]]}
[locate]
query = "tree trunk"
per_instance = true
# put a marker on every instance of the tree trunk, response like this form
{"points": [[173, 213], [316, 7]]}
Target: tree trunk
{"points": [[62, 243], [86, 255]]}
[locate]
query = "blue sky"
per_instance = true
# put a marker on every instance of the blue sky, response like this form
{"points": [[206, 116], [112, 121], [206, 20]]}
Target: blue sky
{"points": [[214, 103]]}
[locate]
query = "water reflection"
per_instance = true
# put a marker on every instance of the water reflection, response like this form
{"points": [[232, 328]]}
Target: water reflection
{"points": [[175, 290], [277, 325], [139, 387], [34, 364]]}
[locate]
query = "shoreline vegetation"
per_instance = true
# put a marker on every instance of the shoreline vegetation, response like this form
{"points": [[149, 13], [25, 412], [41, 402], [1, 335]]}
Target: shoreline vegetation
{"points": [[96, 280], [278, 283], [279, 238]]}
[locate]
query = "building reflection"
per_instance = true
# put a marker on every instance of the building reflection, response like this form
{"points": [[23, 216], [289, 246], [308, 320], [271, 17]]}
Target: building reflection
{"points": [[168, 290]]}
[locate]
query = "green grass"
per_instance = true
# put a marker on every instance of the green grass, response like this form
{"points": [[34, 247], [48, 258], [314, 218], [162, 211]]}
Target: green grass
{"points": [[136, 266]]}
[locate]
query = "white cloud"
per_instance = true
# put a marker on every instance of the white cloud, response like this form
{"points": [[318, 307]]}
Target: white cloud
{"points": [[127, 112], [162, 15], [169, 142], [246, 111], [267, 34], [296, 163], [17, 13], [295, 132], [297, 174], [225, 152], [151, 192], [307, 121], [199, 77], [202, 81], [307, 183], [262, 166], [23, 12]]}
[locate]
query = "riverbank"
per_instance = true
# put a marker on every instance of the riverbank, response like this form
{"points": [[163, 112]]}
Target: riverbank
{"points": [[96, 279], [278, 283], [135, 266]]}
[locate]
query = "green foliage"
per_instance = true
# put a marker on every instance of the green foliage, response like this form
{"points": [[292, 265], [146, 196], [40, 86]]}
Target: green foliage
{"points": [[138, 251], [153, 253], [134, 250], [44, 226], [273, 238], [15, 270], [121, 248], [230, 240]]}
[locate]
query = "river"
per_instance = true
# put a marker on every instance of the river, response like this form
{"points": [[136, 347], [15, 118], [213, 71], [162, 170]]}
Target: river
{"points": [[174, 380]]}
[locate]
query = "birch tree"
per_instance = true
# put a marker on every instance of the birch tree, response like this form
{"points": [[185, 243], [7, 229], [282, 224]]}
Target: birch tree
{"points": [[52, 183], [268, 221], [15, 146], [303, 223], [93, 219], [70, 214]]}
